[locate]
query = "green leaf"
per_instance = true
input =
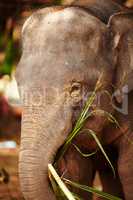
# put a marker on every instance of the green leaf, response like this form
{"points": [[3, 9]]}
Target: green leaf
{"points": [[83, 154], [60, 183], [91, 190], [77, 197], [58, 2], [93, 134], [108, 115], [7, 66]]}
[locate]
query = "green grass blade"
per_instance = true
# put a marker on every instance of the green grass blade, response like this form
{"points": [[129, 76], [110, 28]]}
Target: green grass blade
{"points": [[57, 191], [93, 134], [91, 190], [77, 197], [107, 114], [60, 183], [83, 154]]}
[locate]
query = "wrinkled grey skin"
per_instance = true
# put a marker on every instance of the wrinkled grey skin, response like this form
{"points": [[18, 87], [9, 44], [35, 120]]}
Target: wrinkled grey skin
{"points": [[65, 51]]}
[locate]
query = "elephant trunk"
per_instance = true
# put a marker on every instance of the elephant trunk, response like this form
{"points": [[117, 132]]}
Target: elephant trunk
{"points": [[42, 134]]}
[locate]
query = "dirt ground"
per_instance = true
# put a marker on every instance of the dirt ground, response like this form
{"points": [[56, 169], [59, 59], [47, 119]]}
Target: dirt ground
{"points": [[9, 161]]}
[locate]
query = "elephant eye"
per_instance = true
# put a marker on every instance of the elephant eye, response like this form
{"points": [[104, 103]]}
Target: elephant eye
{"points": [[75, 92], [75, 87]]}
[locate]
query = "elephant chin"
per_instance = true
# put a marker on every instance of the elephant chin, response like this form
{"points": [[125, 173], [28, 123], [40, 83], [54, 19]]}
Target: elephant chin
{"points": [[39, 143]]}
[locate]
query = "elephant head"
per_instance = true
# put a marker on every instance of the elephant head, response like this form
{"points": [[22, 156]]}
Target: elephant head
{"points": [[65, 51]]}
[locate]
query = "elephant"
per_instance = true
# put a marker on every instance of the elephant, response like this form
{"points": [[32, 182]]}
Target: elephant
{"points": [[66, 50], [102, 10]]}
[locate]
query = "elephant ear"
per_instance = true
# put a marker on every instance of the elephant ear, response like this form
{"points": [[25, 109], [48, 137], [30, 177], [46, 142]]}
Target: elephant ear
{"points": [[121, 25]]}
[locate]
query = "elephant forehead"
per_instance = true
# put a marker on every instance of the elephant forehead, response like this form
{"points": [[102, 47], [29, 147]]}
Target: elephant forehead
{"points": [[61, 26], [54, 71]]}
